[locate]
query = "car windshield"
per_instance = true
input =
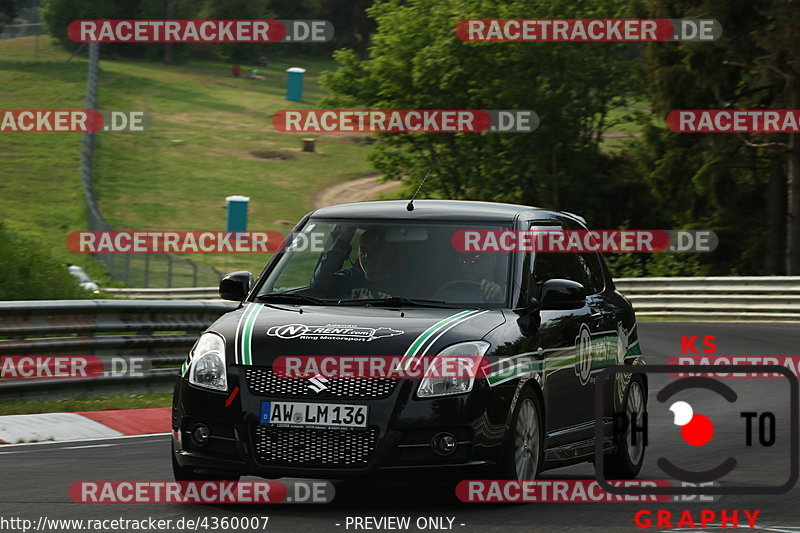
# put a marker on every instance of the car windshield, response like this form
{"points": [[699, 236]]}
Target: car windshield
{"points": [[396, 264]]}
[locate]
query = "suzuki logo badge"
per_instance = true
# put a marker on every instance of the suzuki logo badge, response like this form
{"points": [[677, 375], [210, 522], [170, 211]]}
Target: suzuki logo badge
{"points": [[318, 384]]}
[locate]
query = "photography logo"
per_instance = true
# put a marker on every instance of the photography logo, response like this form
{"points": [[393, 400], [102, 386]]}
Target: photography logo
{"points": [[696, 429], [756, 431]]}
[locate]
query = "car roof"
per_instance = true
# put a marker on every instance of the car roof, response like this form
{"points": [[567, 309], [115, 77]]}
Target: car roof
{"points": [[455, 210]]}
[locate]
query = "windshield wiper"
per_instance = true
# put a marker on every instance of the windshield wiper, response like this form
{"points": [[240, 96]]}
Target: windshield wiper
{"points": [[290, 297], [395, 301]]}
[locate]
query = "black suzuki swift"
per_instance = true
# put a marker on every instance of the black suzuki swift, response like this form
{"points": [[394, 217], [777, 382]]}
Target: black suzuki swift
{"points": [[384, 279]]}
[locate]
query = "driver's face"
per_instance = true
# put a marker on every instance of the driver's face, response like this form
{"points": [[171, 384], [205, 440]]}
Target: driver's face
{"points": [[477, 267], [374, 256]]}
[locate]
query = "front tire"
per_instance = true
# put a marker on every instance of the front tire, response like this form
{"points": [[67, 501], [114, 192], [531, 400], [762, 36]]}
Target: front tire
{"points": [[627, 460], [523, 453]]}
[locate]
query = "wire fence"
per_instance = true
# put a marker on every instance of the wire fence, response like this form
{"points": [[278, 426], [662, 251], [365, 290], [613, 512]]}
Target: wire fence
{"points": [[138, 270], [15, 31]]}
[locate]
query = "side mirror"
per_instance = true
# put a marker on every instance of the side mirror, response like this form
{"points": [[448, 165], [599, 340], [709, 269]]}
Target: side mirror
{"points": [[562, 294], [236, 286]]}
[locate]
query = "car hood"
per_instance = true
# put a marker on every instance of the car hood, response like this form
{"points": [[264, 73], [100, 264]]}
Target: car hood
{"points": [[256, 333]]}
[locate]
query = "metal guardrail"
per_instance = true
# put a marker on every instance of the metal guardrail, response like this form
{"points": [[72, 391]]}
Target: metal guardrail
{"points": [[742, 297], [191, 293], [712, 284], [163, 330], [727, 297], [160, 332]]}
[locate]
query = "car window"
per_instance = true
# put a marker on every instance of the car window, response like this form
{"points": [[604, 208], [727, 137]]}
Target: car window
{"points": [[552, 265], [368, 259], [590, 272], [309, 242]]}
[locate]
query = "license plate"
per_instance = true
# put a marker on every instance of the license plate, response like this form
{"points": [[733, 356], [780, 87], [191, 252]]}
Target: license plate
{"points": [[314, 414]]}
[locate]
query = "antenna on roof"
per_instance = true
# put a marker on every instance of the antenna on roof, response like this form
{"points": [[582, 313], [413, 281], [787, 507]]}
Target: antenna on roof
{"points": [[410, 205]]}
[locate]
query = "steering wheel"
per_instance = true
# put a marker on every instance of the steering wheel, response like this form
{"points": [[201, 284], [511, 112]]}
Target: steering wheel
{"points": [[462, 285]]}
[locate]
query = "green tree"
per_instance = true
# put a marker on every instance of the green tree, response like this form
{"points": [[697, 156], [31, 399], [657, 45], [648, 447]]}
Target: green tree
{"points": [[416, 61], [171, 53], [238, 10], [58, 14], [735, 184], [353, 25], [8, 12]]}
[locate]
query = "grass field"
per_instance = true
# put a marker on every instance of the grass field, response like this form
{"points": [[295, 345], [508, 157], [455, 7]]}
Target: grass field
{"points": [[71, 405], [211, 137]]}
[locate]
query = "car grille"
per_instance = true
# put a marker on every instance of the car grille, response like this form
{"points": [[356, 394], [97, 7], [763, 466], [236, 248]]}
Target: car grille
{"points": [[263, 381], [280, 446]]}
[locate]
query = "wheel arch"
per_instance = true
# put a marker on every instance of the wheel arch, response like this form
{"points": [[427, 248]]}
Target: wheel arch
{"points": [[533, 383]]}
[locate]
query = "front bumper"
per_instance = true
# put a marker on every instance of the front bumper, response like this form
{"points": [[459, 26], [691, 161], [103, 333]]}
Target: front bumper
{"points": [[396, 441]]}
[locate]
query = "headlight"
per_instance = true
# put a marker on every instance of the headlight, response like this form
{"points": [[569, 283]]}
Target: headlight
{"points": [[438, 385], [207, 367]]}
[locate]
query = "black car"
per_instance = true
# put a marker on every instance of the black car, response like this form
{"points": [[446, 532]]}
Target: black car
{"points": [[385, 279]]}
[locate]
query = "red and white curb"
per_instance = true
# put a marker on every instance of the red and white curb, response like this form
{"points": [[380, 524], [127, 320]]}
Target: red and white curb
{"points": [[17, 429]]}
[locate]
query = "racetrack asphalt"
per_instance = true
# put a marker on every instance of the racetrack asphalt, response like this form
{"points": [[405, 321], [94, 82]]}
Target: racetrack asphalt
{"points": [[34, 478]]}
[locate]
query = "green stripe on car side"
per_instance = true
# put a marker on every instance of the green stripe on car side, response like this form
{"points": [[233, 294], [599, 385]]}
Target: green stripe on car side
{"points": [[247, 335], [239, 339], [415, 346]]}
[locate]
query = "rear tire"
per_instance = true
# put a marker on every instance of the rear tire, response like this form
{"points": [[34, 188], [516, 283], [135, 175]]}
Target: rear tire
{"points": [[627, 460], [184, 473], [524, 442]]}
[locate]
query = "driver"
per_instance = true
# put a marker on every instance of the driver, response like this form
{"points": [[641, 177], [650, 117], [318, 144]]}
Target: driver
{"points": [[374, 274], [477, 271]]}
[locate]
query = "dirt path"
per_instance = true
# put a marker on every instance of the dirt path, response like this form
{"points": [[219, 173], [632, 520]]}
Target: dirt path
{"points": [[357, 190]]}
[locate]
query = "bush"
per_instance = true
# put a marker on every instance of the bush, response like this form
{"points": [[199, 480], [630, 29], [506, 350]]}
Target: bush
{"points": [[623, 265], [30, 272]]}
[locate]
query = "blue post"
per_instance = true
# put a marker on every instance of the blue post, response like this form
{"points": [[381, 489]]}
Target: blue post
{"points": [[294, 83], [237, 213]]}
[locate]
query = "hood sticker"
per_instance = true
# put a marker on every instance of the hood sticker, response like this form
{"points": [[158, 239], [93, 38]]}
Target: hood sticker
{"points": [[342, 332], [332, 332]]}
